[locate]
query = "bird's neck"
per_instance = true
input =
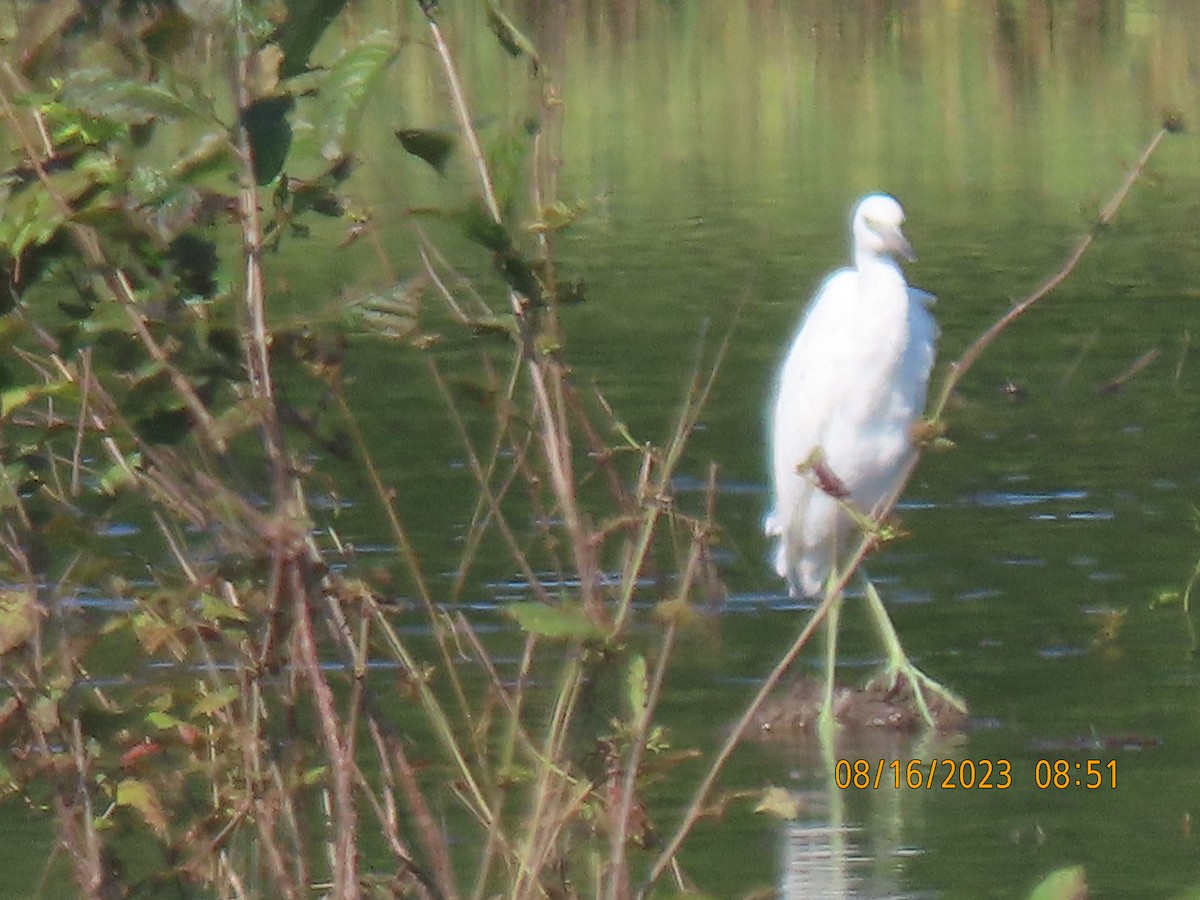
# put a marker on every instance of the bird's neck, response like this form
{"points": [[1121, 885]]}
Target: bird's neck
{"points": [[880, 281], [866, 260]]}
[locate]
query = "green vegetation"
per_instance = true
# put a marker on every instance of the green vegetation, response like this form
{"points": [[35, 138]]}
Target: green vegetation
{"points": [[250, 711], [163, 155]]}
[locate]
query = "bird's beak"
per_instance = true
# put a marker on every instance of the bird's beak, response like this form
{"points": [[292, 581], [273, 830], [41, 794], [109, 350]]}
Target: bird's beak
{"points": [[898, 244]]}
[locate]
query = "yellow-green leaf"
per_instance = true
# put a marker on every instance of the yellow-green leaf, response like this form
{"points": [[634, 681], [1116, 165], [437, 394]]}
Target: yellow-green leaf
{"points": [[346, 87], [1068, 883], [15, 398], [217, 700], [18, 618], [637, 687], [216, 609], [780, 803], [138, 795], [563, 621], [313, 776]]}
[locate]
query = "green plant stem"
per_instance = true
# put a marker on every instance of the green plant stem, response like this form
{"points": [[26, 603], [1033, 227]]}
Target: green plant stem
{"points": [[545, 372], [546, 817], [696, 400], [485, 490], [407, 550], [618, 875], [696, 806], [507, 753], [433, 709], [339, 747]]}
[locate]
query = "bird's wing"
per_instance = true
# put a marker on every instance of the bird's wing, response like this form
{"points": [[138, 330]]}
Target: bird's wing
{"points": [[923, 297], [806, 395], [808, 378], [923, 332]]}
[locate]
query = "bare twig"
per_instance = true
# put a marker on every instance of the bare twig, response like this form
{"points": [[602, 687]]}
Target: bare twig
{"points": [[1115, 384], [696, 400], [485, 490], [960, 366], [338, 746]]}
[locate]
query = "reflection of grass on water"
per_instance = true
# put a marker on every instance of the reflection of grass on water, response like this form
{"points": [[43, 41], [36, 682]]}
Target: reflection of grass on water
{"points": [[143, 374]]}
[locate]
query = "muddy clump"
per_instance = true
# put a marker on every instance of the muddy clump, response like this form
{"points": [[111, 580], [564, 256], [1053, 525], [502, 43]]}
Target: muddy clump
{"points": [[794, 709]]}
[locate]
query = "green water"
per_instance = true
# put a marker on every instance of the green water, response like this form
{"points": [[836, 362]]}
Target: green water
{"points": [[718, 148]]}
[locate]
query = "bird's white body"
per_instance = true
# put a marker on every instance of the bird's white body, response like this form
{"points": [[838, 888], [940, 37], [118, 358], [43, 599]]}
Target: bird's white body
{"points": [[851, 388]]}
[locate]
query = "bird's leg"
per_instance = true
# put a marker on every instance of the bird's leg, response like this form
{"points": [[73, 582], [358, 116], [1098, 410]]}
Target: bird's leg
{"points": [[827, 723], [899, 663]]}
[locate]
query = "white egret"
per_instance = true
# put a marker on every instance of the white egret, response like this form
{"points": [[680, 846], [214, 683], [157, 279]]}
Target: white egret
{"points": [[851, 389]]}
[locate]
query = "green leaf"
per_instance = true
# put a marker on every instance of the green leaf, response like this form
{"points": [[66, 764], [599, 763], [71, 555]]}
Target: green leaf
{"points": [[393, 312], [511, 39], [314, 775], [480, 228], [165, 426], [239, 418], [317, 196], [270, 134], [563, 621], [507, 153], [10, 328], [306, 22], [15, 398], [31, 218], [214, 702], [11, 485], [431, 145], [138, 795], [346, 87], [161, 721], [780, 803], [18, 618], [1068, 883], [210, 153], [520, 276], [216, 609], [73, 126], [101, 94], [557, 217], [637, 687]]}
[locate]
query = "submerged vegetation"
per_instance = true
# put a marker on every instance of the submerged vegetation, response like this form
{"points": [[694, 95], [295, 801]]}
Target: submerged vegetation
{"points": [[250, 710]]}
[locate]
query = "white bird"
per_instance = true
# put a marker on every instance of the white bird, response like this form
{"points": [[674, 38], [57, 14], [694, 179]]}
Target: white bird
{"points": [[851, 389]]}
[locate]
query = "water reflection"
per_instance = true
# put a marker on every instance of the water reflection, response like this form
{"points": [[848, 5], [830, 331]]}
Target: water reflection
{"points": [[851, 842], [823, 860]]}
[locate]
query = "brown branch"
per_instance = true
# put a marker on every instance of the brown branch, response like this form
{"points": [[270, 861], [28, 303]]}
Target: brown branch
{"points": [[960, 366], [338, 747]]}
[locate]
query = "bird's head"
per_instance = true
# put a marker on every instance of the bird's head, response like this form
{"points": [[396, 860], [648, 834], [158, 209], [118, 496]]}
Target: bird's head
{"points": [[876, 226]]}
